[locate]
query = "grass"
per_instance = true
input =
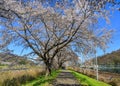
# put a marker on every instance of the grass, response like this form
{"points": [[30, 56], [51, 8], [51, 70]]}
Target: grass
{"points": [[42, 80], [2, 66], [87, 81]]}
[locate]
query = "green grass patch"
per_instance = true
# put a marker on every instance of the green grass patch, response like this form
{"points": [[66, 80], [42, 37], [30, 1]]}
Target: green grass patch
{"points": [[42, 80], [3, 66], [87, 81]]}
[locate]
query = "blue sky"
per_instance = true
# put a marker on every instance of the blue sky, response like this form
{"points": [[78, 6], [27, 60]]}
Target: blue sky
{"points": [[115, 25]]}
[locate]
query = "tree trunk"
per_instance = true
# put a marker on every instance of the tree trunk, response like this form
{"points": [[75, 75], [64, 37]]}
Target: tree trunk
{"points": [[48, 68], [60, 65], [48, 71]]}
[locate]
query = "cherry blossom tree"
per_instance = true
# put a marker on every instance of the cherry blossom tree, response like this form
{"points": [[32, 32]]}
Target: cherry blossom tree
{"points": [[46, 30], [66, 57]]}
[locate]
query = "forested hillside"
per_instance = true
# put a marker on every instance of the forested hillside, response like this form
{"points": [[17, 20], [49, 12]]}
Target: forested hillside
{"points": [[110, 58], [9, 59]]}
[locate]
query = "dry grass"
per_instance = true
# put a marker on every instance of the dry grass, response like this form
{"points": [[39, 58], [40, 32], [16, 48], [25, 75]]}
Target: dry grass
{"points": [[18, 77]]}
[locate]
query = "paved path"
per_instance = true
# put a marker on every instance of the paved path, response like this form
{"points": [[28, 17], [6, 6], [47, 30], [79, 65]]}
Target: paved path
{"points": [[65, 78]]}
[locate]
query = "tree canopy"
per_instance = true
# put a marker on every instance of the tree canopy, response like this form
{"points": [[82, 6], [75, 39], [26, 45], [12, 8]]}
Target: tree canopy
{"points": [[47, 28]]}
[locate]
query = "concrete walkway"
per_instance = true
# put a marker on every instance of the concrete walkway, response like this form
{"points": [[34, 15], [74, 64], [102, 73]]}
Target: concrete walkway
{"points": [[65, 78]]}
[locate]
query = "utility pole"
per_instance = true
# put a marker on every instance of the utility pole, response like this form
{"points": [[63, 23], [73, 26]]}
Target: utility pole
{"points": [[96, 65], [94, 49]]}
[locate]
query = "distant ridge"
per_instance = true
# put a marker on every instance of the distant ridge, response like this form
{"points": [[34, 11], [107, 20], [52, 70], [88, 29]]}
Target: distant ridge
{"points": [[110, 58], [12, 59]]}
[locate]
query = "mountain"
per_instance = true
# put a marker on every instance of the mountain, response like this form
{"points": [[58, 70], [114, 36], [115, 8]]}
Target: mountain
{"points": [[110, 58], [12, 59]]}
